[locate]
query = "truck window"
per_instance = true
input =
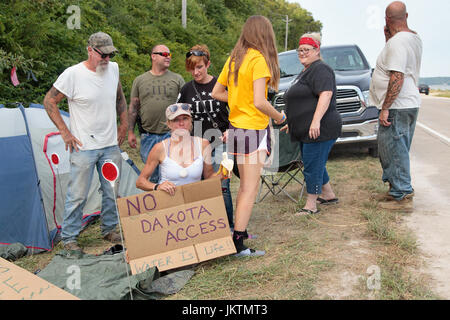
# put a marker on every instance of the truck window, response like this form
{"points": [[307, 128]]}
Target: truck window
{"points": [[289, 64], [343, 59]]}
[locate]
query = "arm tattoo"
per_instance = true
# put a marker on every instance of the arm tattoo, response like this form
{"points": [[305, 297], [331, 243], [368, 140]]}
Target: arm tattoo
{"points": [[51, 100], [394, 87], [121, 104], [135, 105]]}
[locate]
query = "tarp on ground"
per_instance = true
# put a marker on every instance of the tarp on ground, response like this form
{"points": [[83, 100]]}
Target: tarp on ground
{"points": [[104, 277]]}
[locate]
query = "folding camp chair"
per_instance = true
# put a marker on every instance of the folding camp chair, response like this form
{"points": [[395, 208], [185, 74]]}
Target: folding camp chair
{"points": [[286, 167]]}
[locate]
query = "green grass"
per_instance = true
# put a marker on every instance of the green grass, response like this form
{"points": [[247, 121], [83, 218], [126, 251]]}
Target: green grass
{"points": [[306, 256], [441, 93]]}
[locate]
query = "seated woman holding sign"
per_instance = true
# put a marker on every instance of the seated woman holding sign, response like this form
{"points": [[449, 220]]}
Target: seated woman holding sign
{"points": [[182, 158]]}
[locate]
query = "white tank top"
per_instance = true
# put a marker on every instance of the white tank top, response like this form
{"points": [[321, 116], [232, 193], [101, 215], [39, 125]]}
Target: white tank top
{"points": [[177, 174]]}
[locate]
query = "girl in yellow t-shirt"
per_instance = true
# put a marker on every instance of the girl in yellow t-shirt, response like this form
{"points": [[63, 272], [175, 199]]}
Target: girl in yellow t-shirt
{"points": [[243, 83]]}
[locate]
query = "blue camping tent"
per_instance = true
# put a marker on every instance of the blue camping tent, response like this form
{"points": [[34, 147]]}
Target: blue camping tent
{"points": [[32, 188]]}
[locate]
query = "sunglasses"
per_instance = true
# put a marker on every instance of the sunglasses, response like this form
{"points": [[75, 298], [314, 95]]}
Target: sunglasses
{"points": [[186, 107], [104, 55], [196, 53], [164, 54]]}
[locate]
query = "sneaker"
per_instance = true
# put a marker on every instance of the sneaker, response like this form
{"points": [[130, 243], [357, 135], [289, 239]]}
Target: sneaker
{"points": [[113, 237], [72, 246], [250, 253], [405, 205]]}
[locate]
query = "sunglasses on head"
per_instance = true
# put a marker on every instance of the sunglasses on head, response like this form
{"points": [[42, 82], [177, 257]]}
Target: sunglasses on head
{"points": [[186, 107], [104, 55], [164, 54], [196, 53]]}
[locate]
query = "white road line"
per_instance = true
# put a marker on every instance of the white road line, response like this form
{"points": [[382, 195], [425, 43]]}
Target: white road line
{"points": [[435, 133]]}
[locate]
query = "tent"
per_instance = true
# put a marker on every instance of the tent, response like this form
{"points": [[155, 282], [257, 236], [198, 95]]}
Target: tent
{"points": [[32, 187]]}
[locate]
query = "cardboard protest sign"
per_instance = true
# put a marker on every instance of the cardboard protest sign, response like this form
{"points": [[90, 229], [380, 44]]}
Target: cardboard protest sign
{"points": [[19, 284], [173, 231]]}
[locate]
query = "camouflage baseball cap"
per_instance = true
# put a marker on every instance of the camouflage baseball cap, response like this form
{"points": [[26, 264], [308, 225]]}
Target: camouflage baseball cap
{"points": [[101, 41]]}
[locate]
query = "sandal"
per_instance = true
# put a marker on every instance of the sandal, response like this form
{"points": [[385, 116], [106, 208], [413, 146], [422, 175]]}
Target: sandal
{"points": [[326, 202], [305, 212]]}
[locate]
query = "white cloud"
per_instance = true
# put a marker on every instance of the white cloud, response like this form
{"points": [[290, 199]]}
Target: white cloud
{"points": [[361, 22]]}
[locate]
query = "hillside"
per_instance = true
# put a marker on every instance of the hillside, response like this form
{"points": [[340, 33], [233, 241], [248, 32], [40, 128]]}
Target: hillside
{"points": [[43, 37]]}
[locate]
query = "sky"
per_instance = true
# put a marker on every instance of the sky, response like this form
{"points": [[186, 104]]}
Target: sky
{"points": [[361, 22]]}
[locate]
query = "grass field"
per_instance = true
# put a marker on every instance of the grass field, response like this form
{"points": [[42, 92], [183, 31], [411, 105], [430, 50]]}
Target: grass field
{"points": [[440, 93], [351, 250]]}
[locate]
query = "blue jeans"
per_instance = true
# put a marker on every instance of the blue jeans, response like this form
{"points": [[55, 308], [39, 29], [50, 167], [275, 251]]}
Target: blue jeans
{"points": [[82, 165], [148, 140], [394, 143], [315, 156], [216, 156]]}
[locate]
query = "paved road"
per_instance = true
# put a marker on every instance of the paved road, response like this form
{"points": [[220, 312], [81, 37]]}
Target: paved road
{"points": [[430, 170]]}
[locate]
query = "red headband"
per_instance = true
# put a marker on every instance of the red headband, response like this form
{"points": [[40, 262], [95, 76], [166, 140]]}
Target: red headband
{"points": [[310, 41]]}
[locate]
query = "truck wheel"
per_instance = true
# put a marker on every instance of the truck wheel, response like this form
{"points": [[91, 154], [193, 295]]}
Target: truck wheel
{"points": [[373, 151]]}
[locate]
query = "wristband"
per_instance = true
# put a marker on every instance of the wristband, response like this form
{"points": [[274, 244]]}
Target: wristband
{"points": [[283, 119], [155, 187]]}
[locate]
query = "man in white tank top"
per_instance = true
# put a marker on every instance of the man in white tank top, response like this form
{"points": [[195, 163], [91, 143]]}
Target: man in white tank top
{"points": [[394, 91], [95, 97]]}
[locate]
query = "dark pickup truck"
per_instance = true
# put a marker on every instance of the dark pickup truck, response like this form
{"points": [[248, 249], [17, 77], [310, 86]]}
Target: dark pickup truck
{"points": [[353, 74]]}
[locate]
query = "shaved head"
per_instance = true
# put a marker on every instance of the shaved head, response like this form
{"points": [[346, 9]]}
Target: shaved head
{"points": [[396, 11]]}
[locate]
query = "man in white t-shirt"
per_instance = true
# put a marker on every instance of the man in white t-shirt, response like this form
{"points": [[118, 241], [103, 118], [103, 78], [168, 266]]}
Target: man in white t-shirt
{"points": [[95, 98], [394, 91]]}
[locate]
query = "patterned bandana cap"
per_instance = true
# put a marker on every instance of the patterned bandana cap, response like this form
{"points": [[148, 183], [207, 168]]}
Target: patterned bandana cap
{"points": [[102, 41]]}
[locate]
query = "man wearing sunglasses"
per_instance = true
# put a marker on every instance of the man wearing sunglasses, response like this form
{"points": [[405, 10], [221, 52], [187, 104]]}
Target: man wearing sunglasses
{"points": [[151, 93], [95, 98]]}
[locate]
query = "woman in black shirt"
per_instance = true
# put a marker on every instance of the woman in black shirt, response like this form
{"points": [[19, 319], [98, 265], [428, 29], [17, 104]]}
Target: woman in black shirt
{"points": [[210, 116], [314, 121]]}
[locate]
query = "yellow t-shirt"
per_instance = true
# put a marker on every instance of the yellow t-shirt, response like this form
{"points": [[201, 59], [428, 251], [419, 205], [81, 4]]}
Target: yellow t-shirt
{"points": [[243, 113]]}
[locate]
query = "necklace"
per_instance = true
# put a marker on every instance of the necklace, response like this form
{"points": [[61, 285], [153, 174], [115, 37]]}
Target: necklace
{"points": [[183, 173]]}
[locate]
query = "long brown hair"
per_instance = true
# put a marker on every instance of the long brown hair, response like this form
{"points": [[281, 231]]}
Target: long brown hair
{"points": [[257, 33]]}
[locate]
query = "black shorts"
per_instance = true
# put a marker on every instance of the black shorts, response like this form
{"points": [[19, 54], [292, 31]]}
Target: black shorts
{"points": [[248, 141]]}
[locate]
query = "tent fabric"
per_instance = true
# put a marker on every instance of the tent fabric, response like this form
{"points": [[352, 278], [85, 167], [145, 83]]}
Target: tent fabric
{"points": [[104, 277], [32, 188]]}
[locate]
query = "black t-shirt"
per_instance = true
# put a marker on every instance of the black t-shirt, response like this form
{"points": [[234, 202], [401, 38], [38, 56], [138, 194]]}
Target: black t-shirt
{"points": [[218, 110], [301, 102]]}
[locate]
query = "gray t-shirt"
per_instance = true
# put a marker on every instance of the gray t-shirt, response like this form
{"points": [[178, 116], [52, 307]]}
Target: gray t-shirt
{"points": [[402, 53], [155, 93]]}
